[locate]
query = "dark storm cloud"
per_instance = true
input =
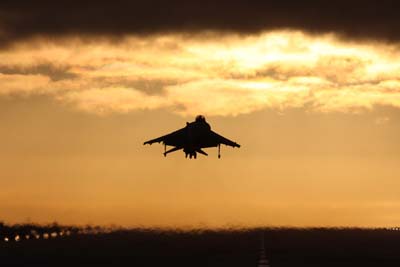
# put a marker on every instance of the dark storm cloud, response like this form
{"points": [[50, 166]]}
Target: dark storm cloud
{"points": [[350, 19]]}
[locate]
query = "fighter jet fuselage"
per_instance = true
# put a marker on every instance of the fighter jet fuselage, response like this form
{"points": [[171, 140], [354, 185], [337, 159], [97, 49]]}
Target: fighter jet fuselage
{"points": [[195, 132]]}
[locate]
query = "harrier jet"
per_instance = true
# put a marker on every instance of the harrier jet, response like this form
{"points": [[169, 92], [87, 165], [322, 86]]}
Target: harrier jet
{"points": [[195, 136]]}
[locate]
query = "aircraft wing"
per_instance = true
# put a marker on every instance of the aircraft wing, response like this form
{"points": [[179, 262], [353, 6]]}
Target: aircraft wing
{"points": [[172, 139], [213, 139]]}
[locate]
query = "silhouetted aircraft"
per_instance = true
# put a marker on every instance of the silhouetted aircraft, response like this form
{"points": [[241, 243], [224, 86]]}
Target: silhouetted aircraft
{"points": [[195, 136]]}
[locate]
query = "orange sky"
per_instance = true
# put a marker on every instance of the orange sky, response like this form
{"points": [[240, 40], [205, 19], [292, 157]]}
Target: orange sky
{"points": [[317, 118]]}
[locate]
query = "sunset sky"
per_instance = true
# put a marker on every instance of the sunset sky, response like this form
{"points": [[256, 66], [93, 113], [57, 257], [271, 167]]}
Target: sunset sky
{"points": [[310, 91]]}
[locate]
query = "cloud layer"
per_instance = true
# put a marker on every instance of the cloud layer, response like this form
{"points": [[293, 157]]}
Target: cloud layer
{"points": [[367, 19], [210, 73]]}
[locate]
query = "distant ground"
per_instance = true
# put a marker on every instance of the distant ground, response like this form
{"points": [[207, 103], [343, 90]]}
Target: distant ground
{"points": [[70, 246]]}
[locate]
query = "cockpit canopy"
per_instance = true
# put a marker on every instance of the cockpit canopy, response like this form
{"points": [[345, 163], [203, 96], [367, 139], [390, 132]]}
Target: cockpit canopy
{"points": [[200, 118]]}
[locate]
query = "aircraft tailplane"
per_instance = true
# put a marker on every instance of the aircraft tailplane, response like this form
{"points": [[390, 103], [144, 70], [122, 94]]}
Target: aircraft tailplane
{"points": [[172, 150], [201, 152]]}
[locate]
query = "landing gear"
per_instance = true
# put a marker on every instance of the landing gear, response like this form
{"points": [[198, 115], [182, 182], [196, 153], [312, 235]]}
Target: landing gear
{"points": [[192, 155], [219, 151]]}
